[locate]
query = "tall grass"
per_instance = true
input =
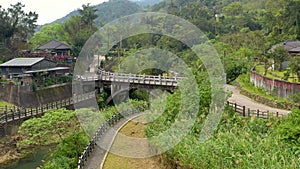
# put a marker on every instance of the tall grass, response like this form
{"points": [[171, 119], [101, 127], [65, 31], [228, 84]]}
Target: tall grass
{"points": [[239, 142]]}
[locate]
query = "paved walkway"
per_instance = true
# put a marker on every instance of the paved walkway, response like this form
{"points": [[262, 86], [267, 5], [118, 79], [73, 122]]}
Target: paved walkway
{"points": [[253, 105], [96, 160]]}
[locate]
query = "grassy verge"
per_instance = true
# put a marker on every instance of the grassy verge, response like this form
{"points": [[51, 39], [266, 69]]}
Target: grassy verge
{"points": [[274, 74]]}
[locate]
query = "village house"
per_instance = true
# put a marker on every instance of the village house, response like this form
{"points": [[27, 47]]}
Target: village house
{"points": [[293, 48], [56, 48], [27, 68]]}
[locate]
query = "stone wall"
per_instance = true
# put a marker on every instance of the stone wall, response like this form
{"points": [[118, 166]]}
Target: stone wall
{"points": [[278, 87]]}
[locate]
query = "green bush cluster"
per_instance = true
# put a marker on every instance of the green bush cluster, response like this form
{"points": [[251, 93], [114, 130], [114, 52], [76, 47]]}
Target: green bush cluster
{"points": [[67, 152], [48, 129]]}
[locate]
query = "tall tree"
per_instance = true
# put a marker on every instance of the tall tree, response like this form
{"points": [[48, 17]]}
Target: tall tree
{"points": [[47, 33], [88, 15], [295, 66], [281, 19], [279, 55], [16, 25]]}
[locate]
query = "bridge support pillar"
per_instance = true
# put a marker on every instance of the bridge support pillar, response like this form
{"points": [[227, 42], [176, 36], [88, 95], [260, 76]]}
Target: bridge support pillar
{"points": [[119, 93], [9, 129]]}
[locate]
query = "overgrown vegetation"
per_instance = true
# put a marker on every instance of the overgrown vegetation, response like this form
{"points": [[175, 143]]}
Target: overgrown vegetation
{"points": [[238, 142], [48, 81]]}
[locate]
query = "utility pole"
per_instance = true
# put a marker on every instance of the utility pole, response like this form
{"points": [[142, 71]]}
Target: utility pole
{"points": [[119, 52], [224, 60]]}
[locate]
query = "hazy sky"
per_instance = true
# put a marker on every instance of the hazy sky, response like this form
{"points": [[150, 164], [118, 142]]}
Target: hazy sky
{"points": [[50, 10]]}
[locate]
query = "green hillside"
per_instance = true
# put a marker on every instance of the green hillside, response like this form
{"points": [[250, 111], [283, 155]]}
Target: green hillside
{"points": [[108, 11], [146, 3]]}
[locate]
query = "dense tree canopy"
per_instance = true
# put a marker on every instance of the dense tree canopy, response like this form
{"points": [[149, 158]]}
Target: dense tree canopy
{"points": [[15, 24]]}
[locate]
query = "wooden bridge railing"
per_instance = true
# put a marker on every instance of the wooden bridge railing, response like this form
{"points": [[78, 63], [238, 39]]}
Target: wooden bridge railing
{"points": [[20, 113], [246, 112], [99, 134]]}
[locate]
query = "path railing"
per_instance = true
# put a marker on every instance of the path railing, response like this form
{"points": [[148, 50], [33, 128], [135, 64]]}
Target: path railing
{"points": [[19, 113], [99, 134], [247, 112]]}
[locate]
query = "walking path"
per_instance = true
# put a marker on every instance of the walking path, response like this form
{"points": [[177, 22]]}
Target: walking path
{"points": [[253, 105], [97, 159]]}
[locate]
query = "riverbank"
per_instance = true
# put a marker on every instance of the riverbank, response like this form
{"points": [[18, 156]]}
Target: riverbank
{"points": [[9, 153], [37, 133]]}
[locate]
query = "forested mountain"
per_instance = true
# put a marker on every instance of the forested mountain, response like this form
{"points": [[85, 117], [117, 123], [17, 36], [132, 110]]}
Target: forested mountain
{"points": [[146, 3], [108, 11]]}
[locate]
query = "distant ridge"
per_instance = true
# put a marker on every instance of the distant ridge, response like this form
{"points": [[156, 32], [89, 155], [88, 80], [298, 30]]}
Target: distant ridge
{"points": [[109, 11], [146, 3]]}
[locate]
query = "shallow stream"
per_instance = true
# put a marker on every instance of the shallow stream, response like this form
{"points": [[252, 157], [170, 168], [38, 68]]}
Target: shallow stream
{"points": [[33, 161]]}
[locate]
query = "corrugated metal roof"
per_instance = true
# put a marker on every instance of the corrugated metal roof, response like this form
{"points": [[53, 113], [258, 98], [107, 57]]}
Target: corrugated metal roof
{"points": [[22, 62], [51, 69]]}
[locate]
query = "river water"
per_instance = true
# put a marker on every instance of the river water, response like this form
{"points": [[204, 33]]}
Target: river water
{"points": [[33, 161]]}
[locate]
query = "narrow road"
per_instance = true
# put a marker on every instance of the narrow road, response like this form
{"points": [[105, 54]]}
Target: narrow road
{"points": [[253, 105]]}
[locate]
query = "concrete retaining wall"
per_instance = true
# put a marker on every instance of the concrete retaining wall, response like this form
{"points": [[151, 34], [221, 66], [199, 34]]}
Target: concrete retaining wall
{"points": [[278, 87], [23, 96]]}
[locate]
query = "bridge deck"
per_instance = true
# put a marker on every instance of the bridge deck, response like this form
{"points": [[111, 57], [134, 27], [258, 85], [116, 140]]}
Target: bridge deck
{"points": [[133, 79]]}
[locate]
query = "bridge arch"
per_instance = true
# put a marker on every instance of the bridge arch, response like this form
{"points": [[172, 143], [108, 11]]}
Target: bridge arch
{"points": [[127, 90]]}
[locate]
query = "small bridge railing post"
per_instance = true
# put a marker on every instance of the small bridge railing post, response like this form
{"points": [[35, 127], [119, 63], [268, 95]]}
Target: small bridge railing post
{"points": [[6, 116], [5, 113], [160, 80], [235, 106], [19, 113], [12, 114]]}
